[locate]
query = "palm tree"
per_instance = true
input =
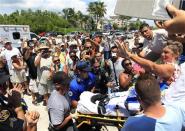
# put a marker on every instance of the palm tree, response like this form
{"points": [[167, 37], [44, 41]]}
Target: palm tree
{"points": [[69, 15], [97, 9], [79, 18]]}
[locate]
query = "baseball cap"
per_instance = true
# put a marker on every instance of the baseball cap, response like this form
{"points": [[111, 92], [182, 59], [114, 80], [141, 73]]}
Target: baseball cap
{"points": [[83, 66], [7, 41]]}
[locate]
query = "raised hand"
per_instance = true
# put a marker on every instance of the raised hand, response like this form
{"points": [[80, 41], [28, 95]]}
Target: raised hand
{"points": [[122, 50], [14, 96], [32, 117], [176, 24]]}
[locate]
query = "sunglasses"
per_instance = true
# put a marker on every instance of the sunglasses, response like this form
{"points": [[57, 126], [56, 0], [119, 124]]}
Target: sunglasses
{"points": [[127, 64], [55, 61], [88, 47], [72, 56]]}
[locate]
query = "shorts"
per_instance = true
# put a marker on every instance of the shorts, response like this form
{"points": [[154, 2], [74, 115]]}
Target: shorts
{"points": [[33, 86], [45, 88]]}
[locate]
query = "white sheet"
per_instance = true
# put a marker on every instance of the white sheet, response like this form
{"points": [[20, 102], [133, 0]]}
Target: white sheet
{"points": [[85, 105]]}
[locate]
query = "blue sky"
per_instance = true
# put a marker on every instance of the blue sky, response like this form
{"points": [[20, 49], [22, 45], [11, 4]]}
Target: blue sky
{"points": [[9, 6]]}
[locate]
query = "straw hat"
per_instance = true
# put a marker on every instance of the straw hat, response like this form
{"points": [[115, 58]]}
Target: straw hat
{"points": [[43, 47]]}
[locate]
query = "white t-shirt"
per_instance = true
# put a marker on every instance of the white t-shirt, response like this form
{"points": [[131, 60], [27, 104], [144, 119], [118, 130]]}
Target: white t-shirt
{"points": [[176, 90], [157, 43], [132, 42], [118, 69], [43, 70], [7, 54], [172, 120]]}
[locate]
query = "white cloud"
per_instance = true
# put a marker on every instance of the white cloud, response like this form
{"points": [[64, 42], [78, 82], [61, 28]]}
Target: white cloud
{"points": [[52, 5], [110, 4]]}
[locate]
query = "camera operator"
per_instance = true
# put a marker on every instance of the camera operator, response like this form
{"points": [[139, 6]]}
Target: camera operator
{"points": [[71, 63], [88, 52], [115, 66], [96, 42], [43, 62], [29, 57]]}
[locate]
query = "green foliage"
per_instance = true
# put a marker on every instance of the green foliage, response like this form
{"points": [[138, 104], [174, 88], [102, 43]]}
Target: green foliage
{"points": [[44, 21], [38, 20], [115, 26], [97, 10], [122, 17], [65, 21]]}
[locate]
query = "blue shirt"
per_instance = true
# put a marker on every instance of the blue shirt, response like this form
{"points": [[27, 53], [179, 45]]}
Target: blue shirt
{"points": [[172, 120], [77, 86]]}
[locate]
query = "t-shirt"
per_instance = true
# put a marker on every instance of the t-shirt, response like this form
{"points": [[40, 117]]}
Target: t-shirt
{"points": [[157, 43], [44, 70], [31, 66], [172, 120], [8, 119], [58, 107], [7, 54], [77, 86], [118, 69], [176, 90]]}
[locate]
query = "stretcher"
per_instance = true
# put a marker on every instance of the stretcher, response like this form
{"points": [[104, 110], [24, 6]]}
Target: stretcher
{"points": [[102, 120], [116, 112]]}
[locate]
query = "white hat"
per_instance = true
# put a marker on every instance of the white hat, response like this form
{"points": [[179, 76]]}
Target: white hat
{"points": [[59, 36], [62, 43], [34, 39], [72, 43], [7, 41]]}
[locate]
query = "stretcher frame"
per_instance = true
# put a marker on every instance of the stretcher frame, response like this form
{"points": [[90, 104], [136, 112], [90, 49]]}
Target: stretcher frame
{"points": [[97, 119]]}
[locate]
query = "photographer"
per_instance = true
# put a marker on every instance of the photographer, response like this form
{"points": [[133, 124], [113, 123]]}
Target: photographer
{"points": [[29, 57], [115, 65], [71, 63], [88, 52], [43, 62], [96, 42]]}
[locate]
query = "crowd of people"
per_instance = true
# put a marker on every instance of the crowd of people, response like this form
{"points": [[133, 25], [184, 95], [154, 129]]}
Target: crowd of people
{"points": [[57, 71]]}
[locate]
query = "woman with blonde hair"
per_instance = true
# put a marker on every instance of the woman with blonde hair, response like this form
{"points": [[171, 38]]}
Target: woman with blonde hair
{"points": [[168, 70]]}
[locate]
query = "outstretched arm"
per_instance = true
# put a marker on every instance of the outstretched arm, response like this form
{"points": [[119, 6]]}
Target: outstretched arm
{"points": [[163, 70]]}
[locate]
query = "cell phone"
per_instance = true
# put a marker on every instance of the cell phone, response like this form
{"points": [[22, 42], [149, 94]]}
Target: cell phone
{"points": [[147, 9], [159, 9], [83, 41]]}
